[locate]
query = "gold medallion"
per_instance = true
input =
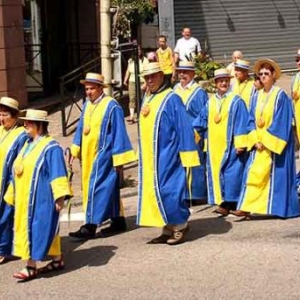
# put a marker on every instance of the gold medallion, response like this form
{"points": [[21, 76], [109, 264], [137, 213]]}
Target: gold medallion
{"points": [[218, 118], [260, 123], [145, 110], [86, 130], [19, 169]]}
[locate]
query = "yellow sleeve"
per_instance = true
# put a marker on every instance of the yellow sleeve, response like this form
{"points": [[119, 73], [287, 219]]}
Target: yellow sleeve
{"points": [[60, 187], [273, 143], [240, 141], [190, 158], [252, 139], [124, 158], [9, 196], [75, 151]]}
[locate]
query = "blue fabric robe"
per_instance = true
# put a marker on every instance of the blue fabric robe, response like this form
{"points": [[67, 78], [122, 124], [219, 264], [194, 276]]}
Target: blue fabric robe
{"points": [[100, 180], [166, 147], [224, 184], [195, 99], [33, 195]]}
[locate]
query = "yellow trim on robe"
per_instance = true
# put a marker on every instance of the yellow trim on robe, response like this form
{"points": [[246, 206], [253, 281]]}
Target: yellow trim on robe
{"points": [[55, 248], [9, 196], [273, 143], [189, 158], [22, 193], [58, 186], [217, 135], [252, 139], [244, 90], [150, 214], [75, 151], [258, 183], [123, 158], [240, 141], [93, 118], [185, 93]]}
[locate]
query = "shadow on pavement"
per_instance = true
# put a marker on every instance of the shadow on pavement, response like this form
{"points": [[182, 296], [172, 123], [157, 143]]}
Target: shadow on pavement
{"points": [[207, 226], [90, 257]]}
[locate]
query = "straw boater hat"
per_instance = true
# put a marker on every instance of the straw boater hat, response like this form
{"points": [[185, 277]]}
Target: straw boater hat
{"points": [[36, 115], [242, 64], [298, 54], [10, 102], [94, 78], [221, 73], [186, 65], [260, 62], [151, 68]]}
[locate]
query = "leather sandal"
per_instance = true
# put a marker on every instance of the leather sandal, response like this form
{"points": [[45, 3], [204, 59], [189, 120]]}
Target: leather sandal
{"points": [[28, 273], [52, 266], [162, 239]]}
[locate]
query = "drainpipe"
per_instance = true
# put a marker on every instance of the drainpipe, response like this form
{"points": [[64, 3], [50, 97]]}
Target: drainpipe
{"points": [[105, 32]]}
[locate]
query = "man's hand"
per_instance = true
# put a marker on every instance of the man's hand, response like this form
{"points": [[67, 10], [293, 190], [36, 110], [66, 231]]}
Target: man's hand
{"points": [[119, 169]]}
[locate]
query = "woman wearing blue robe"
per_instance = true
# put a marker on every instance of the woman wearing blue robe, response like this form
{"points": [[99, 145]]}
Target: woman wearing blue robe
{"points": [[37, 193], [195, 99], [12, 139], [269, 183]]}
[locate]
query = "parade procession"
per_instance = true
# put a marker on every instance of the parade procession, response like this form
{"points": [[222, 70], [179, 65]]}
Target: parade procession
{"points": [[178, 182]]}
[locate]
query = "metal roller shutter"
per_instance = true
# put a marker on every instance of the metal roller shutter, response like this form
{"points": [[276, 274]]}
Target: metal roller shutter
{"points": [[259, 28]]}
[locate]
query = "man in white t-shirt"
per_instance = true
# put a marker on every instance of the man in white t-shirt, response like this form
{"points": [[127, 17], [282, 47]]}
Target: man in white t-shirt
{"points": [[186, 47]]}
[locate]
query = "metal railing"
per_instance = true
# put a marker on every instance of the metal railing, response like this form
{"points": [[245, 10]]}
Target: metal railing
{"points": [[33, 57], [71, 93]]}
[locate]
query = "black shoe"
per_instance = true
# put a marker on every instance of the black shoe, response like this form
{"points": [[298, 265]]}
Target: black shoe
{"points": [[84, 233], [117, 225]]}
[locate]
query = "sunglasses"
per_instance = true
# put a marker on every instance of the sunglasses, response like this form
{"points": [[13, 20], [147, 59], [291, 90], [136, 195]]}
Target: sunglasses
{"points": [[264, 73]]}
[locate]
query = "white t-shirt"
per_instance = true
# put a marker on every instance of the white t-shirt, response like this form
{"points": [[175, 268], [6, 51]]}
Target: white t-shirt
{"points": [[185, 48]]}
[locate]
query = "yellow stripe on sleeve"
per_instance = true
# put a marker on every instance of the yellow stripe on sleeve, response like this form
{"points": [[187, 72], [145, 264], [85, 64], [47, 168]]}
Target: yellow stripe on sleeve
{"points": [[252, 139], [124, 158], [60, 187], [75, 151], [240, 141], [273, 143], [190, 158]]}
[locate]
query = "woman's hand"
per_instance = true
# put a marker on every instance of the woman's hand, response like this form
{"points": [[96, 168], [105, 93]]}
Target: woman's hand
{"points": [[259, 146], [239, 151], [59, 204]]}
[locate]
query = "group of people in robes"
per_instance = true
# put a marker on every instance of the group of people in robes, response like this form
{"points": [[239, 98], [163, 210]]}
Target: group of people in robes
{"points": [[235, 149]]}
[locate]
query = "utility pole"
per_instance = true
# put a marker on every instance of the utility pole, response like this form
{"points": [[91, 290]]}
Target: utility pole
{"points": [[105, 43]]}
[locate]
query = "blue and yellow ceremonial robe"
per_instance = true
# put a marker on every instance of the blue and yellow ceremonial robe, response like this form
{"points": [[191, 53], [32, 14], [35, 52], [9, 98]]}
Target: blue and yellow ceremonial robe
{"points": [[11, 143], [105, 146], [226, 123], [245, 90], [33, 193], [166, 148], [195, 99], [269, 184]]}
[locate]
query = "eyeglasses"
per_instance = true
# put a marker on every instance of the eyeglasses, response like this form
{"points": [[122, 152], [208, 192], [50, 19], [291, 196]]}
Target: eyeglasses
{"points": [[264, 73]]}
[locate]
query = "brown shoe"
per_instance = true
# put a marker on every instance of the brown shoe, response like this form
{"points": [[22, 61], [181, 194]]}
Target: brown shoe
{"points": [[240, 213], [162, 239], [222, 211], [177, 237]]}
